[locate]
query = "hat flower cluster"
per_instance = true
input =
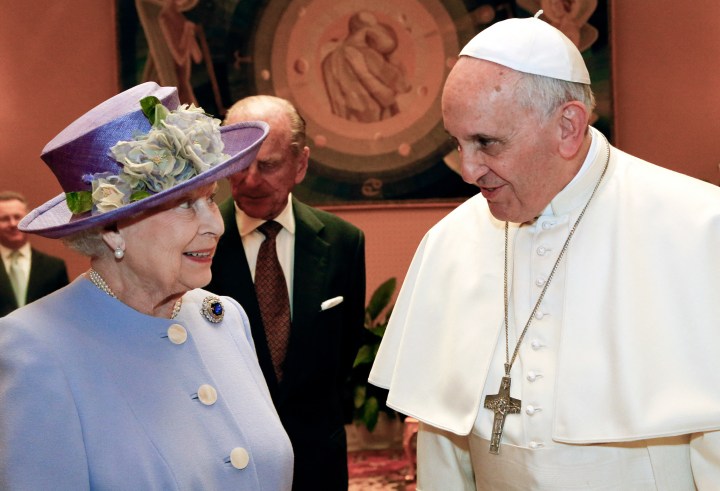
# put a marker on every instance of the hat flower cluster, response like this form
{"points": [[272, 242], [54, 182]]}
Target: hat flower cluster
{"points": [[180, 145]]}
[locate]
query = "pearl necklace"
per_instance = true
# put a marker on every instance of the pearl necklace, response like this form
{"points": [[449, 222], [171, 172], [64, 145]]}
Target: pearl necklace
{"points": [[99, 282]]}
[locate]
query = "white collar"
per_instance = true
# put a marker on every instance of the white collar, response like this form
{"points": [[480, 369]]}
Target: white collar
{"points": [[247, 224], [578, 190], [24, 250]]}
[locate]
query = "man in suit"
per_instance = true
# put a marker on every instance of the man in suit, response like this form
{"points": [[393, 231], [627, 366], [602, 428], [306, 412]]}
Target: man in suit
{"points": [[28, 274], [323, 265]]}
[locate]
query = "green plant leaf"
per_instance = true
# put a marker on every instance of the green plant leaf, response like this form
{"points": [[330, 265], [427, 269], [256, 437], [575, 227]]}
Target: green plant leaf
{"points": [[148, 107], [79, 201], [379, 301], [378, 330], [359, 396], [138, 195], [371, 409], [366, 354]]}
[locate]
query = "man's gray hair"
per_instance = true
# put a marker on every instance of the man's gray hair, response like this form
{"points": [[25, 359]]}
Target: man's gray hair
{"points": [[240, 110], [546, 94]]}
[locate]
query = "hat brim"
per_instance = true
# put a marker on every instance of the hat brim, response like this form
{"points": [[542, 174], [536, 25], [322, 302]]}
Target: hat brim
{"points": [[54, 219]]}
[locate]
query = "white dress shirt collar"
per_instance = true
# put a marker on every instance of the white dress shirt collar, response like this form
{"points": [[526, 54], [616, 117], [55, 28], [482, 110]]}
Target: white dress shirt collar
{"points": [[25, 252], [247, 224]]}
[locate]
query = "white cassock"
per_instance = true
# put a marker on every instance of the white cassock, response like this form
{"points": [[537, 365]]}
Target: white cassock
{"points": [[619, 372]]}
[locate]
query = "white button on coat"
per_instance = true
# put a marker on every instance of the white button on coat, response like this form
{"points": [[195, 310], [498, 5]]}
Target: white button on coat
{"points": [[177, 334], [239, 458], [207, 394], [532, 375], [536, 344], [530, 409]]}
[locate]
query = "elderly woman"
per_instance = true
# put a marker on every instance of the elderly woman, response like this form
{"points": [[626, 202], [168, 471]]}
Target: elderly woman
{"points": [[132, 377]]}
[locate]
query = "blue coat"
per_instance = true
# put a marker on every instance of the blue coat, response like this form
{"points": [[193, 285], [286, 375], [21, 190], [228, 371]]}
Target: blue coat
{"points": [[94, 395]]}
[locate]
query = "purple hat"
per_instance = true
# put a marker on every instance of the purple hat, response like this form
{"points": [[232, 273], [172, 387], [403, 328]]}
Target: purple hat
{"points": [[115, 139]]}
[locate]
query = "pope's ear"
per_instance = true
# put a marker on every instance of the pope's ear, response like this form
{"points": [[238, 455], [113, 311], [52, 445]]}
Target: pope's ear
{"points": [[573, 126]]}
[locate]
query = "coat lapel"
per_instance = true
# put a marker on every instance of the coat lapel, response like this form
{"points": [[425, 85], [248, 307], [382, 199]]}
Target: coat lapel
{"points": [[309, 287], [39, 270], [7, 296]]}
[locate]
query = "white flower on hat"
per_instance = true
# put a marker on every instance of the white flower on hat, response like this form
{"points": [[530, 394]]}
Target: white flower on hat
{"points": [[198, 136], [109, 192], [180, 145]]}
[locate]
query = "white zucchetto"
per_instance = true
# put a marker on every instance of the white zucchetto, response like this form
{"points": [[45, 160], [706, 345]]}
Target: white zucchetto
{"points": [[529, 45]]}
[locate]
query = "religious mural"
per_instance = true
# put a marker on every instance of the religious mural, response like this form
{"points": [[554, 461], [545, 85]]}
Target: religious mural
{"points": [[366, 75]]}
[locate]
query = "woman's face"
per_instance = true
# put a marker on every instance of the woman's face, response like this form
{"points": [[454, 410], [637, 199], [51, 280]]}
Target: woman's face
{"points": [[170, 251]]}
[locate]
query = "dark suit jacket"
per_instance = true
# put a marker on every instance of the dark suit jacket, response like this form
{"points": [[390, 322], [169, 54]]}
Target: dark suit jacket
{"points": [[47, 274], [312, 398]]}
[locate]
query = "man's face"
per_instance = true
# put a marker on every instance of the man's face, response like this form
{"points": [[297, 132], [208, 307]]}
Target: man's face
{"points": [[11, 212], [261, 190], [506, 150]]}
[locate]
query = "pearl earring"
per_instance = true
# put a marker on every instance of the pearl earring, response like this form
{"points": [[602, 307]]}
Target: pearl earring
{"points": [[119, 253]]}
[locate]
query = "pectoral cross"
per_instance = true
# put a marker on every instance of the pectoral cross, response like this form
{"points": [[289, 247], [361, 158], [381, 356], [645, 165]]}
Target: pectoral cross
{"points": [[501, 404]]}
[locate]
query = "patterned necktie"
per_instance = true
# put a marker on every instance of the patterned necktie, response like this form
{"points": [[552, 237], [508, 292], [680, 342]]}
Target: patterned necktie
{"points": [[272, 294], [16, 278]]}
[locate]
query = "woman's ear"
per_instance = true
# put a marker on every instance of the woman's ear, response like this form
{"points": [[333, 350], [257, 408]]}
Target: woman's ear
{"points": [[114, 240], [573, 126]]}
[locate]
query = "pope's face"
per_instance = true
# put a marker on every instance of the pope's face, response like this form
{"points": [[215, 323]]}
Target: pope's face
{"points": [[11, 212], [170, 251], [262, 189], [506, 150]]}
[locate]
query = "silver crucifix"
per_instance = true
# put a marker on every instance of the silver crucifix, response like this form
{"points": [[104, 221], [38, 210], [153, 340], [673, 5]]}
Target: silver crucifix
{"points": [[501, 404]]}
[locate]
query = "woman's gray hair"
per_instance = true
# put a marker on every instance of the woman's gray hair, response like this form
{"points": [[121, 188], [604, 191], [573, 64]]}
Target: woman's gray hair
{"points": [[545, 94], [88, 242]]}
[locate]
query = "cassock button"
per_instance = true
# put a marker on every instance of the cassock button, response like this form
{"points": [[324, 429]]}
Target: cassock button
{"points": [[539, 315], [177, 334], [541, 251], [530, 410], [540, 281], [239, 458], [207, 394], [536, 344], [532, 375], [548, 225], [535, 444]]}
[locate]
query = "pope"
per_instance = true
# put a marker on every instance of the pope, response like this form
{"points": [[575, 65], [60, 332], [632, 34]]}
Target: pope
{"points": [[560, 329]]}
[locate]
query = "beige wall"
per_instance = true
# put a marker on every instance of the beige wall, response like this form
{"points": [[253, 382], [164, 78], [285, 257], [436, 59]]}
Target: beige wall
{"points": [[59, 59], [667, 81]]}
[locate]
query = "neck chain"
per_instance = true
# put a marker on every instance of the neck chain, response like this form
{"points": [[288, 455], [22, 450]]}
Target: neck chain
{"points": [[99, 282], [501, 403]]}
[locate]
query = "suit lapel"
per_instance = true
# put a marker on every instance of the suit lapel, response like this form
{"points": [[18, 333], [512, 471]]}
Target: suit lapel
{"points": [[38, 270], [309, 286], [7, 296]]}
